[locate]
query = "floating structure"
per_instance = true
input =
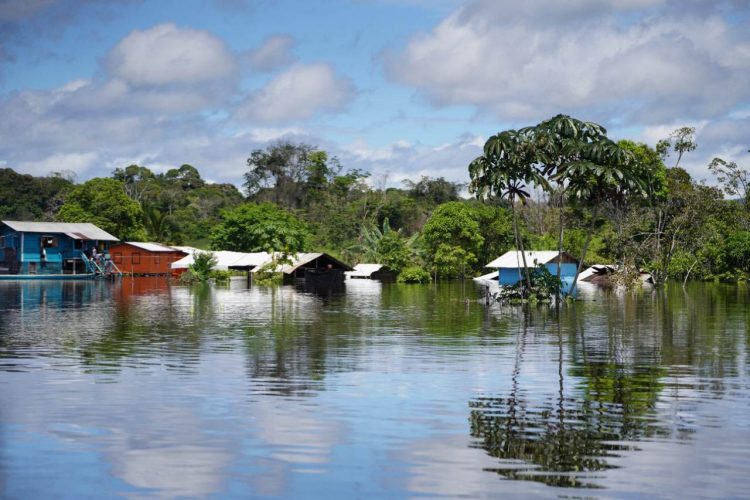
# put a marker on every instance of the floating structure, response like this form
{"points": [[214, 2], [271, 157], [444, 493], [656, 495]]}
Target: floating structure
{"points": [[145, 258], [371, 271], [510, 265], [54, 250]]}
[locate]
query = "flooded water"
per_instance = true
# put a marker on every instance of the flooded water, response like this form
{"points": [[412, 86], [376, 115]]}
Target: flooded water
{"points": [[141, 389]]}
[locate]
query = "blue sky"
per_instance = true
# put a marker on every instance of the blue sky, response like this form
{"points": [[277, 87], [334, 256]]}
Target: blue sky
{"points": [[398, 88]]}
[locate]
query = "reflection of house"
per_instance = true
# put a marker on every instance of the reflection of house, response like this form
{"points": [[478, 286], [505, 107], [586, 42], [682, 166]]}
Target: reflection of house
{"points": [[143, 259], [49, 249], [510, 265], [371, 271]]}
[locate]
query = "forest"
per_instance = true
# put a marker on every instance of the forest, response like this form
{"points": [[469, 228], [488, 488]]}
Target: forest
{"points": [[560, 184]]}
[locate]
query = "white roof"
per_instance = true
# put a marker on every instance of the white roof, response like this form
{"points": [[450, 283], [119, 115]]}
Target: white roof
{"points": [[76, 230], [364, 270], [226, 259], [150, 247], [514, 260], [487, 277], [186, 249], [596, 268]]}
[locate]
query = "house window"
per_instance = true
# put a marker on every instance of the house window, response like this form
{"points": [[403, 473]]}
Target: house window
{"points": [[2, 242], [135, 258], [49, 242], [117, 257], [78, 244], [157, 259]]}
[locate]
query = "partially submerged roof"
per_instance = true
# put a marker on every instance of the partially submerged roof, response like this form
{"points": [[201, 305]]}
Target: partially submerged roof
{"points": [[150, 246], [302, 259], [226, 260], [514, 260], [364, 270], [75, 230]]}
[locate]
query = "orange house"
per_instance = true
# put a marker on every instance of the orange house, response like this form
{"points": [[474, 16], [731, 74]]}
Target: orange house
{"points": [[144, 259]]}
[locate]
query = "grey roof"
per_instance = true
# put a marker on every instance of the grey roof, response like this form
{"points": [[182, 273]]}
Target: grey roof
{"points": [[150, 246], [76, 230]]}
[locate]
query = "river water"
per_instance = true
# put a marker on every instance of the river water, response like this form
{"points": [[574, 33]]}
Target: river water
{"points": [[139, 389]]}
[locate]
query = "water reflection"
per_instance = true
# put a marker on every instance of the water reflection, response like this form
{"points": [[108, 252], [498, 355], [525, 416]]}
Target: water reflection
{"points": [[149, 389]]}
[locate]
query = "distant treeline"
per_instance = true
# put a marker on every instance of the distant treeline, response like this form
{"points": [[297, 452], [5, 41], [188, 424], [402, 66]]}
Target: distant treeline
{"points": [[297, 197]]}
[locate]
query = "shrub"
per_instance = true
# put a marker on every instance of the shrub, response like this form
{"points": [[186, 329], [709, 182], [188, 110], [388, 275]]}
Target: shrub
{"points": [[414, 274]]}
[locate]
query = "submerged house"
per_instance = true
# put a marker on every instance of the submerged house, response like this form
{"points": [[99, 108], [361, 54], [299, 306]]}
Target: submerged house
{"points": [[52, 249], [225, 260], [510, 265], [145, 258], [371, 271], [314, 267]]}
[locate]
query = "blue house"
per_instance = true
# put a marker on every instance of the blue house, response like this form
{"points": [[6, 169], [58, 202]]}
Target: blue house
{"points": [[510, 266], [51, 249]]}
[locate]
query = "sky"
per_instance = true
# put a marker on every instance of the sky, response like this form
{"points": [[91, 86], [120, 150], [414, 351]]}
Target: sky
{"points": [[398, 88]]}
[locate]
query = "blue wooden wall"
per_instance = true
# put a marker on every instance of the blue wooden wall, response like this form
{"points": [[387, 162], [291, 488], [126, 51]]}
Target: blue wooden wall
{"points": [[31, 253], [509, 275]]}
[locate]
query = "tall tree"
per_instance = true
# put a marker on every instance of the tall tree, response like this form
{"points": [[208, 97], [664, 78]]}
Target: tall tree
{"points": [[262, 227], [506, 169], [103, 202]]}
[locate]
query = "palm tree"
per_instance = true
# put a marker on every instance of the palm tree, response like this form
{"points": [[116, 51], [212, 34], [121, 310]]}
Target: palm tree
{"points": [[506, 168]]}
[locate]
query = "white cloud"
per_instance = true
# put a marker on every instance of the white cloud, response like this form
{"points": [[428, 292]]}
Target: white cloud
{"points": [[166, 54], [273, 53], [533, 59], [300, 92]]}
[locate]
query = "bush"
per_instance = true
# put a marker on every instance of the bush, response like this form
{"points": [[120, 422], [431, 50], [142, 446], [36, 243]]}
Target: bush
{"points": [[544, 286], [414, 274], [221, 276]]}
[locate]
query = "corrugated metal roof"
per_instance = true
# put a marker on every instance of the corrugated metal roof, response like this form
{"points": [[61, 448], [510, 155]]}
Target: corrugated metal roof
{"points": [[514, 260], [150, 246], [76, 230], [364, 270], [226, 259]]}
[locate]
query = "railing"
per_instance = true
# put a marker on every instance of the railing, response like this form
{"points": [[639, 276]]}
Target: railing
{"points": [[109, 267], [91, 266]]}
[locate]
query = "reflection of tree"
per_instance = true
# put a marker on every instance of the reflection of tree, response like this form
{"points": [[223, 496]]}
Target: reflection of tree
{"points": [[562, 440]]}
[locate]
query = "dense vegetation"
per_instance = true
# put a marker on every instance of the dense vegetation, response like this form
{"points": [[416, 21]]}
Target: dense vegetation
{"points": [[559, 184]]}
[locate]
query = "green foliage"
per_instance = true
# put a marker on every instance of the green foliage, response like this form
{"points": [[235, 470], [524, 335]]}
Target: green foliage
{"points": [[452, 239], [103, 202], [260, 227], [202, 266], [393, 251], [24, 197], [414, 274], [544, 287]]}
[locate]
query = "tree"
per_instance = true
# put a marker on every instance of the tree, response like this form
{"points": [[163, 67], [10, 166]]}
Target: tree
{"points": [[505, 169], [563, 143], [103, 202], [680, 141], [136, 180], [263, 227], [393, 251], [435, 191], [24, 197], [281, 173], [452, 239], [735, 180]]}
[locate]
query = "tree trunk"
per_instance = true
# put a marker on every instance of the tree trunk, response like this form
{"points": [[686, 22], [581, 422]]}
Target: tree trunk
{"points": [[687, 275], [585, 249], [519, 247], [560, 240]]}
